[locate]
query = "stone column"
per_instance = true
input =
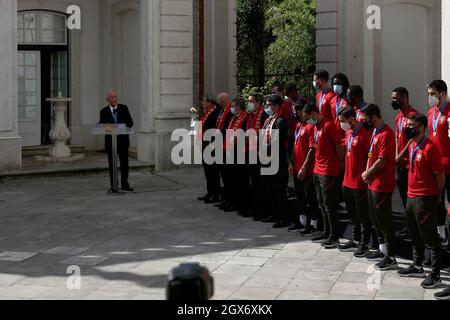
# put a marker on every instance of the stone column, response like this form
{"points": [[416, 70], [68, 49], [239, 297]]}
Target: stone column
{"points": [[10, 142], [446, 41], [167, 76]]}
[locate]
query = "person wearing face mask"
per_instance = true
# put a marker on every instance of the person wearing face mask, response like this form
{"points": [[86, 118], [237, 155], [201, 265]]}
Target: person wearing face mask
{"points": [[438, 124], [223, 119], [355, 96], [302, 169], [357, 143], [324, 95], [426, 183], [294, 98], [275, 195], [255, 121], [400, 102], [380, 178], [328, 152], [341, 85], [239, 183]]}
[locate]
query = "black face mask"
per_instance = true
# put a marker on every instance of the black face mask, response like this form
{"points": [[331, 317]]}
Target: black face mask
{"points": [[396, 105], [368, 125], [411, 133]]}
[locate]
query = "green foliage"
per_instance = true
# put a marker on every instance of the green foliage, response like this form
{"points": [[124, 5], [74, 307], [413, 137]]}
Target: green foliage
{"points": [[285, 33], [292, 23]]}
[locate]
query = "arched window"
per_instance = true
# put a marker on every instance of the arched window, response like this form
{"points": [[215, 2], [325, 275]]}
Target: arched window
{"points": [[41, 28]]}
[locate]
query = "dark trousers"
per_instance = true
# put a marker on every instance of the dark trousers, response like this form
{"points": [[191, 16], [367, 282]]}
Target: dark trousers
{"points": [[327, 189], [212, 176], [122, 151], [240, 186], [380, 208], [275, 195], [358, 209], [402, 183], [307, 198], [224, 174], [256, 188], [443, 213], [422, 217]]}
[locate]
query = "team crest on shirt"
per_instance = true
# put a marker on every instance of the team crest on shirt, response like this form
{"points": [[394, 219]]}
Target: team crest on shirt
{"points": [[355, 141], [375, 141], [303, 132], [443, 119], [419, 156]]}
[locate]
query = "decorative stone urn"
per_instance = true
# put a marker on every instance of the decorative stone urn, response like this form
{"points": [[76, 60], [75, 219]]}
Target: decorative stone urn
{"points": [[60, 132]]}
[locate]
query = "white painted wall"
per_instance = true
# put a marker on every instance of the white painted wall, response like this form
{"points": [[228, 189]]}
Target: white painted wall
{"points": [[10, 142], [405, 52]]}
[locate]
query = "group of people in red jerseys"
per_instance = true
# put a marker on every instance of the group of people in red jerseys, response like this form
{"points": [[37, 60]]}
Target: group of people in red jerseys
{"points": [[340, 146]]}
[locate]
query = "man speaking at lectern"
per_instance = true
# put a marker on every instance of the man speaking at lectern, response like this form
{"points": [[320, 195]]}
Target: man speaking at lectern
{"points": [[117, 113]]}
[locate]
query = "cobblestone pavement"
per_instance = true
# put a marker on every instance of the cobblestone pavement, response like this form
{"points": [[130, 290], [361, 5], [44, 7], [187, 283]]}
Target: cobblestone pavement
{"points": [[126, 245]]}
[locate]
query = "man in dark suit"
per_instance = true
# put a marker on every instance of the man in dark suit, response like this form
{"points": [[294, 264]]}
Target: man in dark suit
{"points": [[275, 195], [208, 122], [118, 113]]}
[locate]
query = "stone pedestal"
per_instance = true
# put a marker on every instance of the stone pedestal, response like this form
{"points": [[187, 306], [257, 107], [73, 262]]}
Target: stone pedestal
{"points": [[60, 133]]}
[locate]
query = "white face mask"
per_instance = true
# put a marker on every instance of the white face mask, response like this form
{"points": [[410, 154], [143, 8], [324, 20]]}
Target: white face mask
{"points": [[316, 86], [433, 101], [338, 89], [251, 107], [345, 126], [269, 111], [233, 111]]}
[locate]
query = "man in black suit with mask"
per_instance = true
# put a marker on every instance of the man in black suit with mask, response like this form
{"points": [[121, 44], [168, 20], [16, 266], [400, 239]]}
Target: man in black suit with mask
{"points": [[118, 113]]}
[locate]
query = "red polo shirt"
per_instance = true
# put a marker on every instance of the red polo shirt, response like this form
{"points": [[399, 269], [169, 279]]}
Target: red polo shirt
{"points": [[441, 139], [303, 134], [383, 147], [357, 145], [422, 175], [401, 123], [323, 100], [324, 140]]}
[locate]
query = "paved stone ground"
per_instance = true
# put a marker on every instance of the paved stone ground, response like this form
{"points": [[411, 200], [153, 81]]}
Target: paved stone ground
{"points": [[126, 245]]}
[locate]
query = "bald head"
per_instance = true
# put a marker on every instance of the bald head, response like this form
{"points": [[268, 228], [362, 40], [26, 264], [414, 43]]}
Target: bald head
{"points": [[112, 98], [223, 99]]}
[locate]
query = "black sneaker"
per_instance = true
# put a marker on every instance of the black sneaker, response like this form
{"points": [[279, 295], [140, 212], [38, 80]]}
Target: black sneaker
{"points": [[319, 238], [444, 243], [402, 234], [375, 256], [308, 232], [296, 228], [444, 295], [330, 243], [387, 264], [412, 272], [270, 220], [432, 281], [362, 251], [348, 247]]}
